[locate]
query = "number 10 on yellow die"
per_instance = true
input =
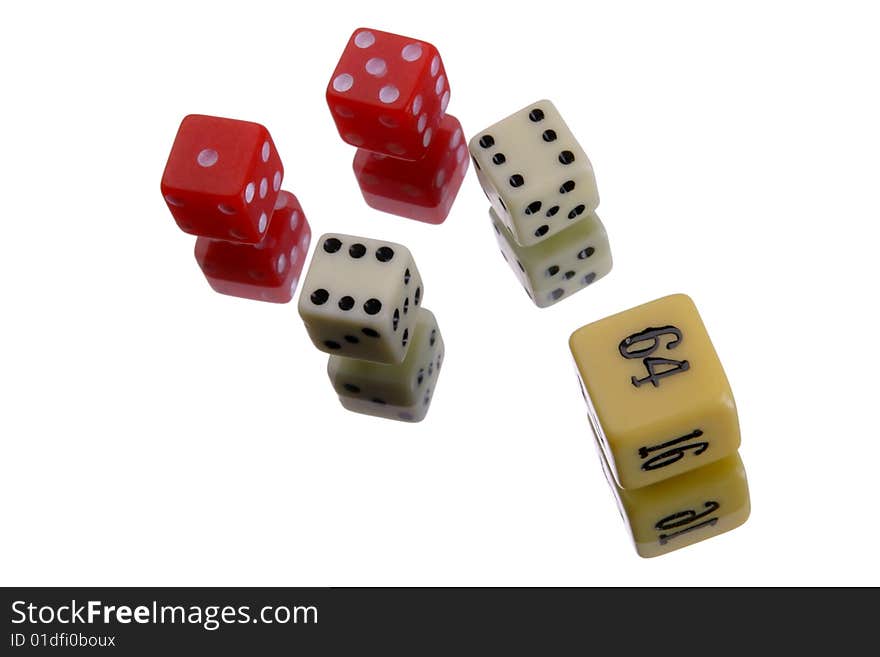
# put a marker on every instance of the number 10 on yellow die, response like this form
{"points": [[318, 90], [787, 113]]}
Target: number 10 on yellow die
{"points": [[657, 396]]}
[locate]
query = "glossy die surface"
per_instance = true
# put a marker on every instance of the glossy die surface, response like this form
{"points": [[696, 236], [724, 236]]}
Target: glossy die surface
{"points": [[558, 267], [359, 298], [388, 93], [401, 391], [536, 175], [266, 271], [684, 510], [658, 398], [424, 190], [222, 178]]}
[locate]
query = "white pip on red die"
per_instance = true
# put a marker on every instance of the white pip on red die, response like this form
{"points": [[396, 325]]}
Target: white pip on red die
{"points": [[268, 270], [388, 93], [222, 178], [423, 190]]}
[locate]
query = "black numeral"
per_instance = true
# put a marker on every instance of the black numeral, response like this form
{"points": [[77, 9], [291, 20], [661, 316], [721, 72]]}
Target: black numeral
{"points": [[665, 538], [654, 376], [686, 517], [672, 451], [683, 518], [651, 337], [652, 334]]}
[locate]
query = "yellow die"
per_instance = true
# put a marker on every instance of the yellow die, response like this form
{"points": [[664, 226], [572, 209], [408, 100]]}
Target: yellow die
{"points": [[657, 395], [686, 509]]}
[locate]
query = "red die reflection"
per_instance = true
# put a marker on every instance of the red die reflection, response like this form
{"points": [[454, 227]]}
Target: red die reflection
{"points": [[424, 190], [266, 271]]}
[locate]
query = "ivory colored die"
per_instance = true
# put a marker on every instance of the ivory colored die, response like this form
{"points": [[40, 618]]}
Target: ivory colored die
{"points": [[536, 175], [684, 510], [401, 391], [359, 296], [558, 267], [658, 398]]}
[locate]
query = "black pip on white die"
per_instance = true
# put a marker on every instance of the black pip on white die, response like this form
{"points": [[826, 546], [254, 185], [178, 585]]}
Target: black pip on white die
{"points": [[358, 298], [536, 175]]}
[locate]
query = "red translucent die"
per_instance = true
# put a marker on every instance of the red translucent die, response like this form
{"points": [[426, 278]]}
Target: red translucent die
{"points": [[268, 270], [222, 178], [388, 93], [424, 190]]}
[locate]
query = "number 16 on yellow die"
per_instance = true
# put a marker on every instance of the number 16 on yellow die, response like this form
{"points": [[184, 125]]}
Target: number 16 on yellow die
{"points": [[658, 398]]}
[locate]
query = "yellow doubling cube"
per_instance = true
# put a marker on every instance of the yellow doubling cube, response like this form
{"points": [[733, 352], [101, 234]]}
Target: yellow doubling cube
{"points": [[684, 510], [657, 395]]}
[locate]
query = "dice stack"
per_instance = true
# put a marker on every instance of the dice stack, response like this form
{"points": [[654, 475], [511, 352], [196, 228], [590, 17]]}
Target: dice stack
{"points": [[388, 97], [222, 183], [665, 423], [543, 194], [362, 304]]}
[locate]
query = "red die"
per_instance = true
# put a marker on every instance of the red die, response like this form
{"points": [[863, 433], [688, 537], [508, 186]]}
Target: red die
{"points": [[222, 178], [423, 190], [268, 270], [388, 93]]}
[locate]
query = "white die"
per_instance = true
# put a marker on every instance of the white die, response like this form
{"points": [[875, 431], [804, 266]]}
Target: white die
{"points": [[359, 297], [536, 175]]}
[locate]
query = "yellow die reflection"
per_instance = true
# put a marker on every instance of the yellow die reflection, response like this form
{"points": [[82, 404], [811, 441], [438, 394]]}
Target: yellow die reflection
{"points": [[658, 398], [684, 510]]}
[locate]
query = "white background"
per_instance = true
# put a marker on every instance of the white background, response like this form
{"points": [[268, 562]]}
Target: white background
{"points": [[154, 432]]}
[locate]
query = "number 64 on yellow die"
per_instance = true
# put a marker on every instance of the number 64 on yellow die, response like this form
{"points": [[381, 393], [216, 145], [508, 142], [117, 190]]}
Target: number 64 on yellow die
{"points": [[657, 396]]}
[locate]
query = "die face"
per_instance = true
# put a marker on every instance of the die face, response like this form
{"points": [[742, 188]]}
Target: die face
{"points": [[268, 270], [359, 298], [556, 268], [401, 391], [656, 392], [222, 178], [424, 190], [684, 510], [388, 93], [536, 175]]}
